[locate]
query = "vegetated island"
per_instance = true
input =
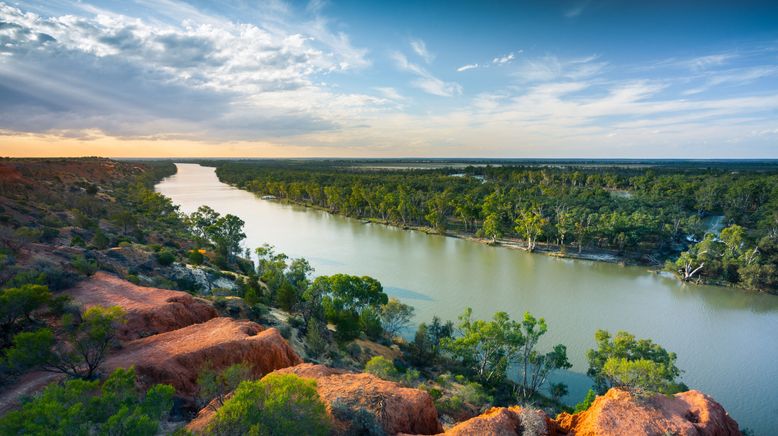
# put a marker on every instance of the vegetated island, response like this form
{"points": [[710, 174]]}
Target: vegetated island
{"points": [[712, 222], [121, 315]]}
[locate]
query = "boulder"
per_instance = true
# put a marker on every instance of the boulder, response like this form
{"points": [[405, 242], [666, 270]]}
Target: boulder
{"points": [[149, 310], [505, 421], [396, 408], [177, 357], [618, 412]]}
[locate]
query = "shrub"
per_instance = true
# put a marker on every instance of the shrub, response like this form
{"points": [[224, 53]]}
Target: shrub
{"points": [[362, 422], [85, 266], [216, 385], [195, 257], [315, 341], [166, 257], [85, 407], [586, 402], [381, 367], [279, 404]]}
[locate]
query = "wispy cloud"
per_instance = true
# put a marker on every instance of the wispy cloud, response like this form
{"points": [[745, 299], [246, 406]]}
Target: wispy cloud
{"points": [[505, 59], [425, 80], [467, 67], [420, 48], [577, 9]]}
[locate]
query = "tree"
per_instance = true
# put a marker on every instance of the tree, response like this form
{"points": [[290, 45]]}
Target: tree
{"points": [[346, 297], [557, 391], [396, 316], [530, 224], [79, 407], [642, 376], [19, 303], [486, 347], [279, 404], [215, 385], [227, 234], [200, 220], [492, 227], [79, 350], [732, 237], [632, 363], [534, 367]]}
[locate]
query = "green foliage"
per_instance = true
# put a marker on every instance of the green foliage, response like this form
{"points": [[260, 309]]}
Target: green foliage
{"points": [[632, 210], [630, 363], [279, 404], [78, 350], [80, 407], [586, 402], [100, 241], [195, 257], [381, 367], [396, 316], [425, 348], [351, 303], [84, 266], [641, 375], [215, 385], [314, 338], [487, 348], [362, 422], [19, 303], [166, 257]]}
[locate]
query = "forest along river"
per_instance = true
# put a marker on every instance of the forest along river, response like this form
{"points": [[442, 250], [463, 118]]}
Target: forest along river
{"points": [[726, 339]]}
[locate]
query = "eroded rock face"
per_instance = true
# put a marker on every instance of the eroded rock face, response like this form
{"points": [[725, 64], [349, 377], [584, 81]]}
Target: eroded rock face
{"points": [[150, 311], [505, 421], [178, 356], [618, 412], [396, 408]]}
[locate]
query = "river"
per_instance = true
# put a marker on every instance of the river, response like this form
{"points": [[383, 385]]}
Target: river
{"points": [[726, 339]]}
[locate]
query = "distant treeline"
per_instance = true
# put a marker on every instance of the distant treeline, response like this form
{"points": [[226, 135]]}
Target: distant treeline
{"points": [[651, 213]]}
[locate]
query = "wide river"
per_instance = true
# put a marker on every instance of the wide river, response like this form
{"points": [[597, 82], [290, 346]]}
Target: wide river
{"points": [[726, 339]]}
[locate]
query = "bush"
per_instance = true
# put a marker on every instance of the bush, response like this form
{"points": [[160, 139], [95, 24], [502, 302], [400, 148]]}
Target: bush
{"points": [[362, 422], [381, 367], [586, 402], [85, 407], [212, 384], [279, 404], [195, 257], [85, 266], [166, 257]]}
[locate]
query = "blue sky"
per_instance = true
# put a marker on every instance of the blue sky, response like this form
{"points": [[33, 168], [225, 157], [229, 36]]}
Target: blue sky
{"points": [[680, 79]]}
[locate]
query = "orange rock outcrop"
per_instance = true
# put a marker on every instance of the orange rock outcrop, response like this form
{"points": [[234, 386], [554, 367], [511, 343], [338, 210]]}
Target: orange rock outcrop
{"points": [[618, 412], [178, 356], [150, 311], [397, 409]]}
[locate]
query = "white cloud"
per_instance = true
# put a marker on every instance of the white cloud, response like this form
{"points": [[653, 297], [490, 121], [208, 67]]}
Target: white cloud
{"points": [[425, 80], [504, 59], [205, 77], [467, 67], [420, 48], [577, 9]]}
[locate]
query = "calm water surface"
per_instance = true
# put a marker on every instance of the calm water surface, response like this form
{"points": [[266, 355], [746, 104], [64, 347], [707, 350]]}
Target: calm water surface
{"points": [[726, 339]]}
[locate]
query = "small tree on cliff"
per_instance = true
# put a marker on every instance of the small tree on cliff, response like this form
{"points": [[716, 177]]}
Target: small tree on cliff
{"points": [[78, 350], [633, 364]]}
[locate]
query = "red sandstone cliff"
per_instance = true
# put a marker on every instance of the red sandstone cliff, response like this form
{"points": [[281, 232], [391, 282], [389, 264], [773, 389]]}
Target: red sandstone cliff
{"points": [[178, 356], [149, 310], [618, 412]]}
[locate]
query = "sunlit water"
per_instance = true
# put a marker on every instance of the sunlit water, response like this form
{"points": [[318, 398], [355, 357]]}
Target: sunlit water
{"points": [[726, 339]]}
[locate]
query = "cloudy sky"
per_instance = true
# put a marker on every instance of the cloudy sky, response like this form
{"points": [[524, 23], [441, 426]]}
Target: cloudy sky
{"points": [[582, 78]]}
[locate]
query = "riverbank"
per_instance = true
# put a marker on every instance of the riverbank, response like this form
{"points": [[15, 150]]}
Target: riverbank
{"points": [[544, 248]]}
